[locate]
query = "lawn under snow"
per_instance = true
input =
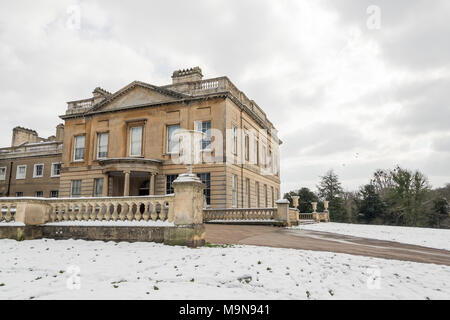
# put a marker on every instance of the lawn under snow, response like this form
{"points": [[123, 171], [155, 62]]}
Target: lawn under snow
{"points": [[427, 237], [40, 269]]}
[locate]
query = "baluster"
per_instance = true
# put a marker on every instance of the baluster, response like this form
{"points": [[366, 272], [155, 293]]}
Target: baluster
{"points": [[52, 215], [93, 213], [115, 214], [153, 213], [108, 211], [123, 213], [162, 214], [130, 214], [147, 210], [100, 211], [8, 213], [138, 214]]}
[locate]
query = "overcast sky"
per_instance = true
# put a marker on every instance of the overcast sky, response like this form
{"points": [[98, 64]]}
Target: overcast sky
{"points": [[347, 91]]}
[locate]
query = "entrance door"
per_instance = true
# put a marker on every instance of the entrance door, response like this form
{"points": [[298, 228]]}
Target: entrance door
{"points": [[144, 189]]}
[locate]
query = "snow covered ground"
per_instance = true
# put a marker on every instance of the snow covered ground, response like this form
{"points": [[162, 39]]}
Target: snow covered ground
{"points": [[427, 237], [78, 269]]}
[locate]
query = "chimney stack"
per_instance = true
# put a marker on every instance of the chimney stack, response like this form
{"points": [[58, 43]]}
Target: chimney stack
{"points": [[187, 75]]}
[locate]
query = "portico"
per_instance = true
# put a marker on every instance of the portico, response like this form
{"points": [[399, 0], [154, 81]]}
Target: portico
{"points": [[129, 176]]}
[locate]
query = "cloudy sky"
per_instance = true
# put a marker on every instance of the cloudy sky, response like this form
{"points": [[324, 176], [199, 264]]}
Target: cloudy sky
{"points": [[351, 85]]}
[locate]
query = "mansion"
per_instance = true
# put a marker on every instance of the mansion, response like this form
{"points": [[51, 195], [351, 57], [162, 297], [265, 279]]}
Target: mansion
{"points": [[131, 143]]}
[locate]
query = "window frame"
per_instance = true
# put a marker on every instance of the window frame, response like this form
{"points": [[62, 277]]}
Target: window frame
{"points": [[3, 176], [130, 142], [19, 194], [71, 188], [258, 194], [99, 135], [52, 175], [35, 170], [234, 140], [41, 194], [234, 191], [169, 184], [75, 148], [168, 151], [198, 125], [207, 189], [57, 193], [247, 193], [17, 172], [94, 191]]}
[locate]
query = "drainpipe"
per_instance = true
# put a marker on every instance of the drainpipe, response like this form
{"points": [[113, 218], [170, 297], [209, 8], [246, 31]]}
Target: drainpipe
{"points": [[9, 179]]}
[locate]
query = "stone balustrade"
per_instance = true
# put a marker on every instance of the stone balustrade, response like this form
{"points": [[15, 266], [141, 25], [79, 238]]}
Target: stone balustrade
{"points": [[112, 209], [8, 210], [227, 214]]}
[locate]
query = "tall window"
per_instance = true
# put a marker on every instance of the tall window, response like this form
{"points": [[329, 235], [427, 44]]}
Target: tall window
{"points": [[38, 171], [98, 187], [136, 141], [206, 179], [247, 147], [234, 196], [264, 156], [173, 142], [204, 127], [78, 148], [247, 192], [75, 191], [234, 138], [273, 196], [56, 169], [169, 179], [21, 172], [256, 151], [2, 173], [258, 201], [265, 196], [102, 145]]}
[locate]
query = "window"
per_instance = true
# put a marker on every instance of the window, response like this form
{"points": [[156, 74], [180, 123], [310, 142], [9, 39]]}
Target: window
{"points": [[102, 145], [277, 193], [136, 141], [247, 192], [39, 194], [265, 196], [78, 148], [257, 194], [204, 127], [247, 147], [273, 197], [76, 189], [54, 194], [21, 172], [19, 194], [169, 179], [206, 179], [2, 173], [56, 169], [38, 171], [173, 142], [264, 156], [98, 187], [256, 151], [234, 137], [234, 196]]}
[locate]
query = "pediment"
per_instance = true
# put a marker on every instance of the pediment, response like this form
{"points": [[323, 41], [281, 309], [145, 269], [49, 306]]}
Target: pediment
{"points": [[136, 94]]}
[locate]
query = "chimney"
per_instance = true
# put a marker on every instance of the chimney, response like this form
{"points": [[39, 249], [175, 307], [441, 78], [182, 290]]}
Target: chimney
{"points": [[187, 75], [22, 135], [60, 132]]}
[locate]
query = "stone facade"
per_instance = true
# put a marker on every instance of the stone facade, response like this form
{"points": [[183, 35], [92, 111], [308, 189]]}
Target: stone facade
{"points": [[241, 169]]}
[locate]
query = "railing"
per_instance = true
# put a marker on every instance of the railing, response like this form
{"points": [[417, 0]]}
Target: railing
{"points": [[227, 214], [79, 106], [8, 211], [96, 209], [54, 146], [112, 209], [306, 216]]}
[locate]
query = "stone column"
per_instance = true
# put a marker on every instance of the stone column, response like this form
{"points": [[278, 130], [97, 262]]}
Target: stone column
{"points": [[105, 185], [282, 213], [188, 201], [152, 184], [126, 187]]}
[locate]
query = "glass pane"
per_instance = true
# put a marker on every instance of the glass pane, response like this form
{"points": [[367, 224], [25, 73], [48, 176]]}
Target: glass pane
{"points": [[136, 141], [172, 140]]}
